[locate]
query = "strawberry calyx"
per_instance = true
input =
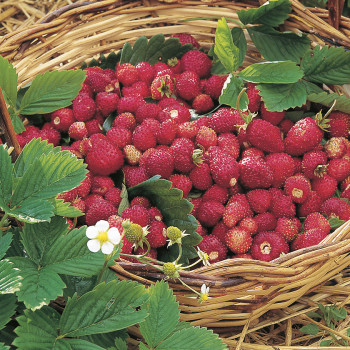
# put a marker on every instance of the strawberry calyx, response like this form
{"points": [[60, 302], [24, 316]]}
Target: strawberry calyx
{"points": [[164, 87]]}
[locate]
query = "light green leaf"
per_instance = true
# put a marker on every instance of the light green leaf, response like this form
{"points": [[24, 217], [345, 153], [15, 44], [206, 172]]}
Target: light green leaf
{"points": [[16, 121], [225, 49], [327, 65], [5, 242], [240, 41], [193, 338], [108, 307], [272, 13], [39, 285], [48, 176], [230, 93], [33, 210], [8, 81], [51, 91], [8, 307], [5, 177], [10, 277], [142, 346], [326, 99], [311, 329], [339, 314], [279, 97], [277, 46], [70, 255], [4, 347], [37, 330], [65, 209], [163, 316], [81, 344], [284, 72], [124, 203], [121, 344], [326, 342]]}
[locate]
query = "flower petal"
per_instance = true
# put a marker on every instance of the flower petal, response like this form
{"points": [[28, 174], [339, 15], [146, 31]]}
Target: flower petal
{"points": [[102, 225], [91, 232], [203, 289], [113, 235], [94, 245], [107, 248]]}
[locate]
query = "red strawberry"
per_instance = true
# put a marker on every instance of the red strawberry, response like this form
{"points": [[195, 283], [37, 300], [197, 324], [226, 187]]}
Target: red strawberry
{"points": [[162, 86], [161, 163], [186, 38], [283, 206], [146, 72], [206, 137], [282, 166], [188, 85], [298, 187], [177, 113], [225, 120], [309, 238], [325, 186], [119, 137], [127, 74], [317, 220], [97, 80], [336, 147], [220, 230], [113, 196], [238, 240], [313, 164], [101, 210], [196, 61], [249, 224], [156, 236], [84, 188], [339, 124], [339, 169], [143, 138], [235, 212], [107, 102], [201, 177], [259, 200], [215, 249], [182, 150], [202, 103], [139, 88], [137, 214], [125, 120], [312, 204], [140, 200], [116, 221], [92, 199], [229, 143], [336, 207], [268, 245], [266, 221], [210, 213], [166, 132], [213, 86], [255, 173], [146, 110], [129, 103], [287, 228], [187, 130], [155, 214], [254, 97], [77, 131], [253, 152], [216, 192], [62, 119], [273, 117], [182, 182], [84, 108], [51, 135]]}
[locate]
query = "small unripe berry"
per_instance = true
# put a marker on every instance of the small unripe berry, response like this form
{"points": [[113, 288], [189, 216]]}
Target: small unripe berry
{"points": [[169, 269]]}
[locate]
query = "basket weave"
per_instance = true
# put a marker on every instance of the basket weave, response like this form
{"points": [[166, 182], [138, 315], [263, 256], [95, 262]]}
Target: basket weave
{"points": [[248, 293]]}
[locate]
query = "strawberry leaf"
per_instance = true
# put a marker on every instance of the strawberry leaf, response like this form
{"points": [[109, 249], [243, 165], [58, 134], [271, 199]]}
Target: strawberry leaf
{"points": [[232, 88], [326, 99], [8, 81]]}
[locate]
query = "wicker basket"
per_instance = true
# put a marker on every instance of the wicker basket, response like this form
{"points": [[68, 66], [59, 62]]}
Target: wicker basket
{"points": [[248, 293]]}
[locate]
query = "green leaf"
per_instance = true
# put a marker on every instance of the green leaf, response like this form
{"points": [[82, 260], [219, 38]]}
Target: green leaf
{"points": [[277, 46], [326, 342], [5, 242], [285, 72], [240, 41], [230, 93], [108, 307], [338, 314], [62, 208], [327, 65], [311, 329], [4, 347], [154, 50], [51, 91], [109, 339], [16, 248], [124, 203], [16, 121], [326, 99], [142, 346], [39, 285], [225, 49], [163, 312], [48, 176], [81, 344], [10, 277], [69, 255], [108, 123], [8, 81], [272, 13], [33, 210], [8, 307], [314, 315], [37, 330], [6, 168], [193, 338], [279, 97], [174, 208]]}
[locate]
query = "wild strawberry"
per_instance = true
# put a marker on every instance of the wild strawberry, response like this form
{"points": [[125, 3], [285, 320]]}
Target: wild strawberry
{"points": [[339, 169], [215, 249], [125, 120], [84, 188], [175, 65], [210, 213], [201, 177], [68, 196], [213, 86], [202, 231], [146, 110], [313, 164], [137, 214], [225, 119], [146, 72], [182, 150], [51, 135], [238, 240], [336, 147], [155, 214], [140, 200], [196, 61], [266, 221], [162, 86], [253, 97], [166, 132], [143, 138], [134, 175], [297, 187], [187, 130], [159, 66], [229, 143], [265, 136], [156, 236], [113, 196], [312, 204], [104, 159], [116, 221], [253, 152], [220, 230], [161, 163], [129, 103], [106, 102], [285, 125], [255, 173], [259, 200], [62, 119], [186, 38], [182, 182], [249, 224], [283, 206], [84, 108], [243, 256], [206, 137], [138, 88], [188, 85], [92, 199], [216, 192], [177, 113], [336, 207], [325, 186], [101, 210], [287, 228], [77, 131], [235, 212], [86, 89], [268, 245], [93, 127], [127, 74], [273, 117], [309, 238], [339, 124], [202, 103], [282, 166], [79, 204], [304, 136], [241, 198], [101, 184], [97, 80], [119, 137], [317, 220]]}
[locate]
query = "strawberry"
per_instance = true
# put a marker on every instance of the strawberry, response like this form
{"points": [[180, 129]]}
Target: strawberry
{"points": [[210, 213], [146, 110], [155, 214], [336, 207], [225, 119], [285, 125], [255, 173], [298, 187], [317, 220], [182, 182], [253, 97], [138, 88], [119, 137], [77, 131], [235, 212], [151, 124], [106, 102], [131, 154], [259, 200], [177, 113], [196, 61], [161, 163], [175, 65], [238, 240], [206, 137], [215, 249], [309, 238], [282, 166], [186, 38], [166, 132], [188, 85], [202, 103], [213, 86], [134, 175], [283, 206], [143, 138], [100, 210], [182, 150], [339, 169], [325, 186], [62, 119], [339, 124], [113, 196], [187, 130], [125, 120], [313, 164], [201, 177], [116, 221], [127, 74], [84, 188], [273, 117], [216, 192], [137, 214], [253, 152], [51, 135], [156, 236], [97, 80], [336, 147], [265, 221], [146, 72], [249, 224], [140, 200], [101, 184], [162, 86], [129, 103], [220, 230], [92, 199], [312, 204], [228, 142], [287, 228]]}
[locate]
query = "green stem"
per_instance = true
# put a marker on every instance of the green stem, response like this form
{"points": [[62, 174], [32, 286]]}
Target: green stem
{"points": [[3, 219], [180, 253], [102, 270], [187, 286], [193, 264]]}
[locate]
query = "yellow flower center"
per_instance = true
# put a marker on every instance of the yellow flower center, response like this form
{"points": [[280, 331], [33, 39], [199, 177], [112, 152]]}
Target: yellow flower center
{"points": [[102, 237], [204, 297]]}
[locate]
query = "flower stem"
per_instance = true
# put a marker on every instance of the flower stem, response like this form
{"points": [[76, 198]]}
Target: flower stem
{"points": [[180, 253], [187, 286]]}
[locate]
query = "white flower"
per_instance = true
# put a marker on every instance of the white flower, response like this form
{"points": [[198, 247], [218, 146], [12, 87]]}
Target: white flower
{"points": [[204, 257], [204, 293], [102, 237]]}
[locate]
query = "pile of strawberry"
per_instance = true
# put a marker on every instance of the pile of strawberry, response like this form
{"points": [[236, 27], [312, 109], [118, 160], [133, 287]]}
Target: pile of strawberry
{"points": [[258, 190]]}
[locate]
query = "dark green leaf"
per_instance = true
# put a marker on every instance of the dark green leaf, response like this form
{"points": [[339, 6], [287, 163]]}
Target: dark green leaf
{"points": [[16, 121], [63, 208], [8, 81], [108, 123], [163, 316], [314, 315], [37, 330], [16, 248], [327, 65], [311, 329], [39, 285], [285, 72], [294, 116], [33, 210], [279, 97], [113, 305], [5, 242], [272, 13], [51, 91], [121, 344], [8, 307], [10, 277], [277, 46], [225, 49], [311, 88], [108, 339], [326, 99], [125, 200], [193, 338], [6, 168], [240, 41], [230, 93], [7, 334]]}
